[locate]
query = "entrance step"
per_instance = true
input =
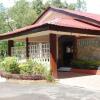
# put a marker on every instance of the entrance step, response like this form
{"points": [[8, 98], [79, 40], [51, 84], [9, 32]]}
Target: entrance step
{"points": [[64, 69]]}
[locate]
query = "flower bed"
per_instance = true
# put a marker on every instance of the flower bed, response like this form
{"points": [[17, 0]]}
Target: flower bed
{"points": [[11, 68], [21, 77]]}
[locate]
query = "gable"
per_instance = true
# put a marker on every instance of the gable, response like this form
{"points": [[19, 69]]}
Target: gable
{"points": [[51, 15], [54, 13]]}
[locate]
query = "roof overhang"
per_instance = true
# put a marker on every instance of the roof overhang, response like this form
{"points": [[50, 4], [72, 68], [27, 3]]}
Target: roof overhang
{"points": [[46, 29]]}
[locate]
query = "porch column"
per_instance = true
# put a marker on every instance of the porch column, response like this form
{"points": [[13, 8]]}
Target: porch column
{"points": [[75, 48], [53, 60], [10, 44], [27, 48]]}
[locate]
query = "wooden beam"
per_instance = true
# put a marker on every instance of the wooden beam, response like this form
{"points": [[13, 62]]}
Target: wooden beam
{"points": [[53, 60], [10, 44], [27, 48]]}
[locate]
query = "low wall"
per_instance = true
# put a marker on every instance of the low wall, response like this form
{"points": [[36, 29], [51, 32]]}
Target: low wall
{"points": [[86, 71], [21, 77]]}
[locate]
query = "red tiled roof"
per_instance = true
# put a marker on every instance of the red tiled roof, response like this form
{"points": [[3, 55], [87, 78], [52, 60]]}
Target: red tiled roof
{"points": [[59, 22], [72, 23], [80, 13], [23, 29]]}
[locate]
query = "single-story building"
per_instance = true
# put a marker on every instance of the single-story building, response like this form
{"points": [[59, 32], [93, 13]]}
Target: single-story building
{"points": [[57, 37]]}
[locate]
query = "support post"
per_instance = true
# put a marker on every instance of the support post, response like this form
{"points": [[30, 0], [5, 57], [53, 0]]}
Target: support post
{"points": [[53, 60], [10, 44], [27, 48]]}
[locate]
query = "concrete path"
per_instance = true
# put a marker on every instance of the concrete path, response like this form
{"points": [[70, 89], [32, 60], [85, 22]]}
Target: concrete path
{"points": [[15, 91], [2, 79], [91, 82]]}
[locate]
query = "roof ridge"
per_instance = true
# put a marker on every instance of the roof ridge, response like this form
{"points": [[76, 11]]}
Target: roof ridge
{"points": [[73, 10], [79, 14]]}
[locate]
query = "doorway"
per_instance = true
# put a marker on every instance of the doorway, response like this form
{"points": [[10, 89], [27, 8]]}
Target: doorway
{"points": [[66, 50]]}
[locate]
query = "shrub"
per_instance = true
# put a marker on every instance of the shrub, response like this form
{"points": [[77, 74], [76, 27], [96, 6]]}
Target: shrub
{"points": [[49, 77], [26, 67], [85, 64], [1, 67], [10, 64], [39, 69]]}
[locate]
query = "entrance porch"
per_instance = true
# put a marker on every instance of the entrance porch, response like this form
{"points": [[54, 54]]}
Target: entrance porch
{"points": [[55, 51], [39, 48], [52, 50]]}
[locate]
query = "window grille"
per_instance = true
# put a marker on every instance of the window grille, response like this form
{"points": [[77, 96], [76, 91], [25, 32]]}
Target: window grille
{"points": [[19, 52]]}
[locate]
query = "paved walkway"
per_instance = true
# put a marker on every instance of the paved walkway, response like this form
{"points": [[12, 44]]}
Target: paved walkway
{"points": [[2, 79], [15, 91], [91, 82]]}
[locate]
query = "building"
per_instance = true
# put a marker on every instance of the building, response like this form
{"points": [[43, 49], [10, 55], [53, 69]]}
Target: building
{"points": [[57, 37]]}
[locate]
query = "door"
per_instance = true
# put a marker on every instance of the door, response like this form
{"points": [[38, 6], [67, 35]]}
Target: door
{"points": [[66, 50]]}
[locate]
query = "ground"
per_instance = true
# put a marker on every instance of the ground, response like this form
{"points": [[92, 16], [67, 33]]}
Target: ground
{"points": [[45, 91], [90, 82]]}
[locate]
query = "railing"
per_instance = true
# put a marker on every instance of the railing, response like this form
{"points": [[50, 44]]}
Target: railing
{"points": [[39, 52], [19, 52]]}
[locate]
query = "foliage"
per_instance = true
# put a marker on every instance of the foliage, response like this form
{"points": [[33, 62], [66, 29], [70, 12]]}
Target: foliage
{"points": [[38, 6], [1, 68], [85, 64], [26, 67], [22, 14], [3, 49], [10, 64], [2, 8], [58, 3], [72, 6], [49, 77], [39, 69], [81, 5], [3, 25]]}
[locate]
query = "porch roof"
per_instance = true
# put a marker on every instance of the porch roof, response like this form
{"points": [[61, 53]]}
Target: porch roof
{"points": [[59, 24]]}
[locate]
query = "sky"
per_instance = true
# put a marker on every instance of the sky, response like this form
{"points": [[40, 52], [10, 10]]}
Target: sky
{"points": [[93, 6]]}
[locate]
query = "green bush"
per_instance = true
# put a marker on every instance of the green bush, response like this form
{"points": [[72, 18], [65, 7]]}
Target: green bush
{"points": [[26, 67], [1, 67], [10, 64], [85, 64], [49, 77], [39, 69]]}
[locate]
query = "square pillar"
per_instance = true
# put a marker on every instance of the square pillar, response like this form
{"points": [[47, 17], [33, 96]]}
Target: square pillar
{"points": [[27, 48], [10, 45], [53, 52]]}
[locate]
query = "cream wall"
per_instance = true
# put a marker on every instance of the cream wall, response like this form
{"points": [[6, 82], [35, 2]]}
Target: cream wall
{"points": [[39, 39], [35, 39]]}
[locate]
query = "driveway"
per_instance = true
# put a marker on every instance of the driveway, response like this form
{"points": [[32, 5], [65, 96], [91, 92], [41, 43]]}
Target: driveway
{"points": [[40, 91], [90, 82]]}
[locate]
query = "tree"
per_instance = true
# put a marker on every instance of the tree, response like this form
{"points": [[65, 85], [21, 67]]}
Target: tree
{"points": [[3, 25], [2, 8], [57, 3], [22, 14], [38, 6], [71, 6], [81, 5]]}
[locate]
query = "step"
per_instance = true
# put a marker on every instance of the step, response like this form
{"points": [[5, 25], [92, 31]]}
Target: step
{"points": [[64, 69]]}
